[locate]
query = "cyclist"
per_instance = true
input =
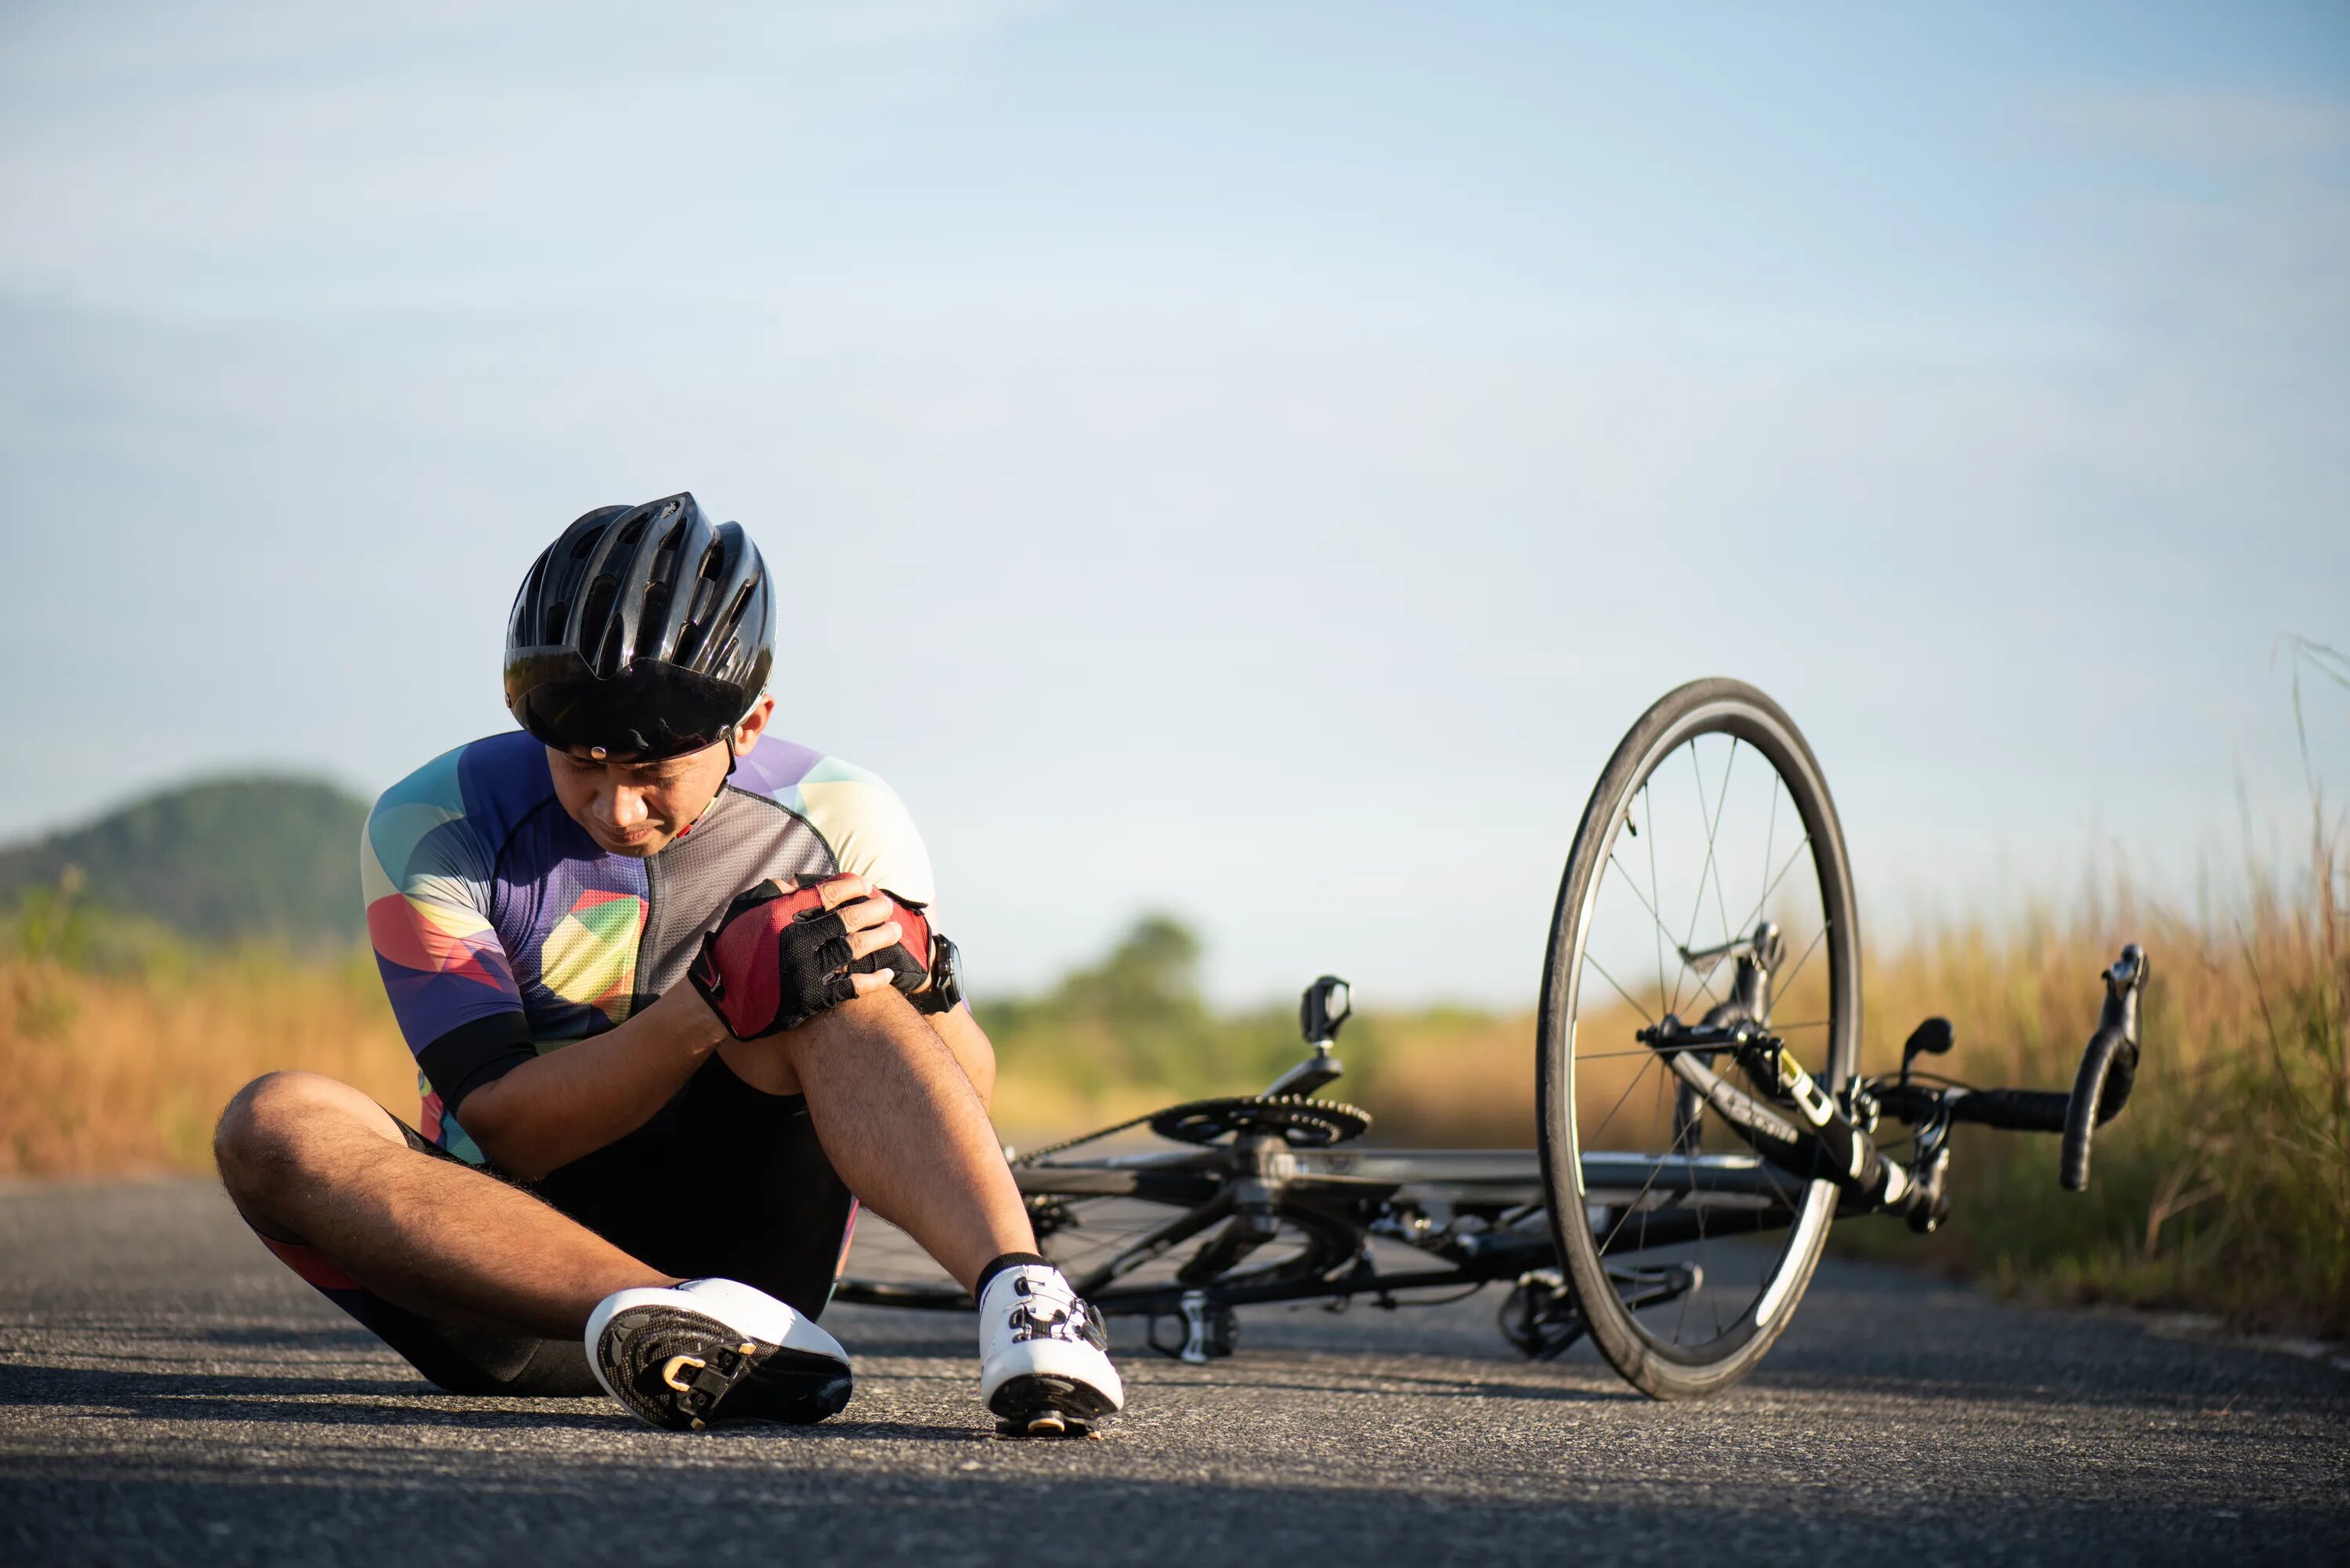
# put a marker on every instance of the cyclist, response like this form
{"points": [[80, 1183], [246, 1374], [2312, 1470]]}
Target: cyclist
{"points": [[677, 1008]]}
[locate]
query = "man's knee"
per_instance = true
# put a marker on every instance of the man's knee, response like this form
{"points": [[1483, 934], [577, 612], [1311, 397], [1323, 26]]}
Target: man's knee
{"points": [[274, 1125]]}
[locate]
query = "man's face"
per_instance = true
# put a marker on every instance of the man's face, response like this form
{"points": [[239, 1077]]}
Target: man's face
{"points": [[637, 808]]}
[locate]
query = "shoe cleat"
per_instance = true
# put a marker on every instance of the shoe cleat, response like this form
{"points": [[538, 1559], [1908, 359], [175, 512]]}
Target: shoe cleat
{"points": [[714, 1353], [1045, 1363]]}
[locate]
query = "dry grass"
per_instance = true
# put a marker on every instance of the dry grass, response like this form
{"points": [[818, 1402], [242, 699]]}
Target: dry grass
{"points": [[119, 1073], [2225, 1186]]}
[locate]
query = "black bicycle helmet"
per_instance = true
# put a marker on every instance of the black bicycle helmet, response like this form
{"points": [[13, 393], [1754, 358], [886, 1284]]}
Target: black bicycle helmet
{"points": [[643, 632]]}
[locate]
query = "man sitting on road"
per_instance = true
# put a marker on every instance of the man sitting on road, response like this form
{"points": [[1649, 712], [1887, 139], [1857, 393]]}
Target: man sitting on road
{"points": [[678, 1009]]}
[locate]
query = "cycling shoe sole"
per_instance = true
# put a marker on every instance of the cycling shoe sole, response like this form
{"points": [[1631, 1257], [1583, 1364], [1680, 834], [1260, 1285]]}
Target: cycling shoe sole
{"points": [[1037, 1405], [685, 1370]]}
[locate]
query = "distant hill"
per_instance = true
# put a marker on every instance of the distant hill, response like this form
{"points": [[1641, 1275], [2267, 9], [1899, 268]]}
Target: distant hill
{"points": [[219, 860]]}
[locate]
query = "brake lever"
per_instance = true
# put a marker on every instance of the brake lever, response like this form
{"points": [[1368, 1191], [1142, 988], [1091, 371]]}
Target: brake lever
{"points": [[2109, 1068]]}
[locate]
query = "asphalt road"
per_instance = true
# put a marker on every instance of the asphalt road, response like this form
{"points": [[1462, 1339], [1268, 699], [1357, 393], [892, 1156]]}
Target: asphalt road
{"points": [[168, 1394]]}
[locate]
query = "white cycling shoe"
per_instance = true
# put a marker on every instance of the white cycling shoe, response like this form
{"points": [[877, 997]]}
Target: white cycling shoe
{"points": [[1045, 1366], [710, 1352]]}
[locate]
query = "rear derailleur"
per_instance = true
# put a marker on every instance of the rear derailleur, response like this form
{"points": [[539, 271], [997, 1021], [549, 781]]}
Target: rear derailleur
{"points": [[1542, 1318]]}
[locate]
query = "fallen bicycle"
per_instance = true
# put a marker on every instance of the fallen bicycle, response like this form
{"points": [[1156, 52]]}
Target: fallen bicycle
{"points": [[1687, 1169]]}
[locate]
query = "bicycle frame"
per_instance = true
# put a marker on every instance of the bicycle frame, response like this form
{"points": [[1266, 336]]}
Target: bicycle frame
{"points": [[1482, 1213]]}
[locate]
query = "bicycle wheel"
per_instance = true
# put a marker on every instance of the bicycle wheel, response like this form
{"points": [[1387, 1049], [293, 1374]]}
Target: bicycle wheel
{"points": [[1126, 1251], [1125, 1254], [1681, 873]]}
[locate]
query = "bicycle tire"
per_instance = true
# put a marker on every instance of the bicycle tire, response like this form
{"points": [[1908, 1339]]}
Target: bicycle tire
{"points": [[1700, 708]]}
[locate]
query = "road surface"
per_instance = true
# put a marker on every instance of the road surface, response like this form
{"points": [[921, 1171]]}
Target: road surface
{"points": [[169, 1394]]}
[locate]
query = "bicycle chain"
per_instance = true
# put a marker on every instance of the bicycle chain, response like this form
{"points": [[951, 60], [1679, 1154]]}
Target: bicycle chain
{"points": [[1033, 1156]]}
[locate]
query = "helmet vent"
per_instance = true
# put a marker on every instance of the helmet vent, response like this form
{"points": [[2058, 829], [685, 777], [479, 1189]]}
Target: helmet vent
{"points": [[632, 533], [555, 614], [705, 582], [665, 559], [586, 544], [649, 621], [521, 629], [592, 623], [608, 662], [733, 620], [704, 599]]}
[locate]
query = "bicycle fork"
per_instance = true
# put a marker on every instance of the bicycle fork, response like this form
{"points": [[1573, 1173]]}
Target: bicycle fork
{"points": [[1830, 1143]]}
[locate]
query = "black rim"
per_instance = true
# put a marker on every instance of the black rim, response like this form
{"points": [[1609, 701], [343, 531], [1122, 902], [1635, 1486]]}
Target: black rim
{"points": [[1719, 823]]}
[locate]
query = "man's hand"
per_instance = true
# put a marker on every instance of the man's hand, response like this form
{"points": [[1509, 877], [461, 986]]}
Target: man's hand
{"points": [[778, 959]]}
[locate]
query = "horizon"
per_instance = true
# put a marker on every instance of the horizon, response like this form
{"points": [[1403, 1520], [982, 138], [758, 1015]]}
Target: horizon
{"points": [[1262, 460]]}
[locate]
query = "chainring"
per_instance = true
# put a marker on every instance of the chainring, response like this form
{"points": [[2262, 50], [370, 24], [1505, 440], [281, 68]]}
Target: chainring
{"points": [[1298, 1122]]}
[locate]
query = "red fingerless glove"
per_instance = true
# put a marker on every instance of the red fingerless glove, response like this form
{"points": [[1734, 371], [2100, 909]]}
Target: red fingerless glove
{"points": [[778, 958]]}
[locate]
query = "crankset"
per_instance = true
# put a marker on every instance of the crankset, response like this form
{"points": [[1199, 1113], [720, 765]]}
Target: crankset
{"points": [[1300, 1123]]}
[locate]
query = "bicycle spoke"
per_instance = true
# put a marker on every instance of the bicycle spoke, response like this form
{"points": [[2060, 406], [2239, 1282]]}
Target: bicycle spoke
{"points": [[1793, 856], [1712, 863], [1697, 907], [1660, 1050], [1789, 983], [1619, 1102], [1654, 1105], [1654, 919], [1099, 1230], [1681, 1317], [1664, 934], [1705, 1274], [1696, 774], [1091, 1237], [1648, 807], [1621, 991], [1656, 1168]]}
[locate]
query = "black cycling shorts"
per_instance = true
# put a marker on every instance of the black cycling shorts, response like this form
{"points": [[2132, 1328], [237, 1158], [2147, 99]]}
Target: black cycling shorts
{"points": [[730, 1183]]}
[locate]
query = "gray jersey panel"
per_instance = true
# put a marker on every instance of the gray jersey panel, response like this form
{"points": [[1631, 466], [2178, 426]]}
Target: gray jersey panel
{"points": [[741, 841]]}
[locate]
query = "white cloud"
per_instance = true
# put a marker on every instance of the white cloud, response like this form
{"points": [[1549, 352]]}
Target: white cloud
{"points": [[259, 156]]}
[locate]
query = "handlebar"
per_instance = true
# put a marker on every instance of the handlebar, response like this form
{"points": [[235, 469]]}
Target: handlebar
{"points": [[2099, 1092], [2013, 1110], [2107, 1069]]}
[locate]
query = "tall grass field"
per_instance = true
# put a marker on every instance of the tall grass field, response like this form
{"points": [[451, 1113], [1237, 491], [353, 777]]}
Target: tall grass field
{"points": [[2225, 1188]]}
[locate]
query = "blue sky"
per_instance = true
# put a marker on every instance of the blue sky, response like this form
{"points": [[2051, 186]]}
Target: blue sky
{"points": [[1252, 461]]}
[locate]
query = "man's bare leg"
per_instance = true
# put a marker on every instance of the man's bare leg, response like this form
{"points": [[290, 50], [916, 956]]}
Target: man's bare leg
{"points": [[313, 1161], [901, 1125]]}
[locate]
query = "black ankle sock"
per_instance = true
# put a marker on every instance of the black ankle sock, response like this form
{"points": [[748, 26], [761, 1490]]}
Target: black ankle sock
{"points": [[997, 1265]]}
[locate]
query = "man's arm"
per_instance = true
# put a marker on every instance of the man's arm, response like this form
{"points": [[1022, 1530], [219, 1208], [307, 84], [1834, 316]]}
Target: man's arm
{"points": [[552, 1109], [549, 1111]]}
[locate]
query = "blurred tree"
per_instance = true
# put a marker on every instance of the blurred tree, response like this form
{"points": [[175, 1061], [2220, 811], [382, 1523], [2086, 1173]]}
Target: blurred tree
{"points": [[220, 860], [1150, 977], [1137, 1017]]}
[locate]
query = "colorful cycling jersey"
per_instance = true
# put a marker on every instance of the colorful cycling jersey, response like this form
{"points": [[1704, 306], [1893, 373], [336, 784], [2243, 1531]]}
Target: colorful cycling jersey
{"points": [[504, 930]]}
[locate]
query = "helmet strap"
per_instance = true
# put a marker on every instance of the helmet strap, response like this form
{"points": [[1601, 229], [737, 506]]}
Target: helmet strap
{"points": [[731, 759]]}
